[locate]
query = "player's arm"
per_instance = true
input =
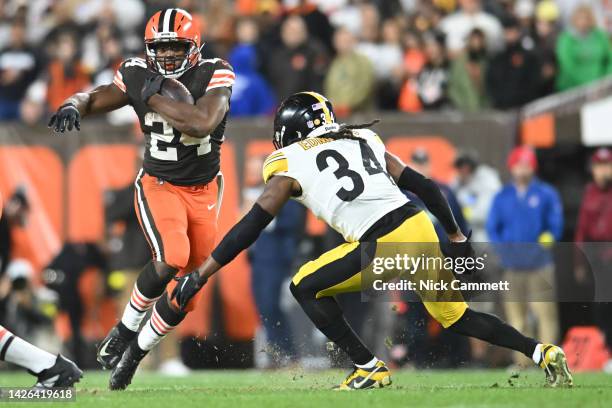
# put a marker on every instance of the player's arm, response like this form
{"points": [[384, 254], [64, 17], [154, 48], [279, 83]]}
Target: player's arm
{"points": [[197, 120], [428, 191], [276, 193], [104, 98]]}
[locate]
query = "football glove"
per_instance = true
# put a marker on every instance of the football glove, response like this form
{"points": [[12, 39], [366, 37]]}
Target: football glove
{"points": [[460, 250], [66, 117], [152, 86], [186, 288]]}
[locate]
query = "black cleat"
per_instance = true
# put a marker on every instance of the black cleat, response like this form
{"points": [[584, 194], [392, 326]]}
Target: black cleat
{"points": [[64, 373], [112, 347], [123, 373]]}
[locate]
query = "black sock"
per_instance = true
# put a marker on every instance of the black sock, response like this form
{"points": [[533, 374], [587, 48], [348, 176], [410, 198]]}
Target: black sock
{"points": [[341, 333], [168, 313], [492, 329], [327, 316]]}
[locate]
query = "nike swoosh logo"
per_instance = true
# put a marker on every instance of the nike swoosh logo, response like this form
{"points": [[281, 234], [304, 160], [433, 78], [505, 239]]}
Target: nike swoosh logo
{"points": [[211, 206], [360, 383], [103, 352]]}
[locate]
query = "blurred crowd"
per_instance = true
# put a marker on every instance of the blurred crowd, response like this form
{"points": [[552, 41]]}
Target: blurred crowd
{"points": [[398, 55]]}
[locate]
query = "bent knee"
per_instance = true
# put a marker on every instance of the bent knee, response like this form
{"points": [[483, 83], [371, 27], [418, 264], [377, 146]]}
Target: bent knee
{"points": [[446, 313]]}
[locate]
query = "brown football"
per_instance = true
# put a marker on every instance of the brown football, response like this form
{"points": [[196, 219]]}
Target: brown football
{"points": [[175, 90]]}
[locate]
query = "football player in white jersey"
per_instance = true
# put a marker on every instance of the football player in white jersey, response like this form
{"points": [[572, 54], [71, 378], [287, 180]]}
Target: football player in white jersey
{"points": [[347, 178]]}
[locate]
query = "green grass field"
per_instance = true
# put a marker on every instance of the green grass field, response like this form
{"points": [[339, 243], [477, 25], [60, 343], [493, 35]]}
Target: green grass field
{"points": [[294, 388]]}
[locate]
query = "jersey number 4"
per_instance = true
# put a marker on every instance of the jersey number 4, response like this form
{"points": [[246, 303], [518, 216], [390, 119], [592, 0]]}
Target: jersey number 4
{"points": [[169, 136], [370, 164]]}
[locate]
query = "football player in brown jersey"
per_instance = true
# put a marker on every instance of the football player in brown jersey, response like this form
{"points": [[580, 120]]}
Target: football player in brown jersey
{"points": [[176, 190]]}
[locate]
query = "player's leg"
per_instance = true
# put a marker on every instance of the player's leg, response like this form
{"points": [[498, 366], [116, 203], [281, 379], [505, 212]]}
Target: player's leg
{"points": [[198, 240], [50, 370], [163, 219], [201, 233], [314, 287], [449, 308]]}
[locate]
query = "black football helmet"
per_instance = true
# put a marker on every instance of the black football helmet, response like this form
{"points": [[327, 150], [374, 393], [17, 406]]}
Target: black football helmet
{"points": [[303, 115]]}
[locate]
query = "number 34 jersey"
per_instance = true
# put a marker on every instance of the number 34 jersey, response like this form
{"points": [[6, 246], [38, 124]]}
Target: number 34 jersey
{"points": [[344, 182], [169, 154]]}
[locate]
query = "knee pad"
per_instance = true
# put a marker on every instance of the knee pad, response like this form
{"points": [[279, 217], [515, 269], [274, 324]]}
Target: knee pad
{"points": [[446, 313], [164, 271]]}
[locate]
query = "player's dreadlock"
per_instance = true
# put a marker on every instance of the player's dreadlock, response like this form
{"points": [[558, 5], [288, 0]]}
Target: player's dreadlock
{"points": [[346, 131]]}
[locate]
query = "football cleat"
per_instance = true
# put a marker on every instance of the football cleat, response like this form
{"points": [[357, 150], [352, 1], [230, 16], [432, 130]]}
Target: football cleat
{"points": [[378, 376], [112, 347], [64, 373], [554, 363], [123, 373]]}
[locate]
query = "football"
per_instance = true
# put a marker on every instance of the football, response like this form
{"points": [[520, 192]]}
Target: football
{"points": [[175, 90]]}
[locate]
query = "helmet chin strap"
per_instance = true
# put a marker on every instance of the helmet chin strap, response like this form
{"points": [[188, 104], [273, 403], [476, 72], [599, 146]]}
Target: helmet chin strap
{"points": [[323, 129]]}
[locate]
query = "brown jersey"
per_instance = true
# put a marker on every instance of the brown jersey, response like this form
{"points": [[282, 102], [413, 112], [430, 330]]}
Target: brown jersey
{"points": [[169, 154]]}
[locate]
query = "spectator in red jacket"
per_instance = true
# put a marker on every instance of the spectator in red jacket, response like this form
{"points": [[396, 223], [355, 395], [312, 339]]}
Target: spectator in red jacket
{"points": [[595, 218], [595, 225]]}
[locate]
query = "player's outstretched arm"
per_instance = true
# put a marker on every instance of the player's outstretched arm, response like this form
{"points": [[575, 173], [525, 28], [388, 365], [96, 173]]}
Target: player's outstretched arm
{"points": [[278, 190], [197, 120], [102, 99], [428, 191]]}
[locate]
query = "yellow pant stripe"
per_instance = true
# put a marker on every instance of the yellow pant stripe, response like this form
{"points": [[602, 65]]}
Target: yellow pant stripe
{"points": [[327, 258]]}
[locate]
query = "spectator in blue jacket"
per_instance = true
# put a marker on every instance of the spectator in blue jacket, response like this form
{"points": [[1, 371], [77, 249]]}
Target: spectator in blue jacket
{"points": [[251, 93], [525, 219]]}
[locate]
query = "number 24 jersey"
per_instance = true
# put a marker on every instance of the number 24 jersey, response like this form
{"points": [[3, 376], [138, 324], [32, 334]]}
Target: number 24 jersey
{"points": [[344, 182], [169, 154]]}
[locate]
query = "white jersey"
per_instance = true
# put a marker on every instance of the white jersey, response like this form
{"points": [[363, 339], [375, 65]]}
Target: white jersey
{"points": [[344, 182]]}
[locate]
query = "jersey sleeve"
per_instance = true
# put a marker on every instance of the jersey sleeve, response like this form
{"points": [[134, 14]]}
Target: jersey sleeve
{"points": [[128, 72], [223, 76], [275, 164], [118, 79]]}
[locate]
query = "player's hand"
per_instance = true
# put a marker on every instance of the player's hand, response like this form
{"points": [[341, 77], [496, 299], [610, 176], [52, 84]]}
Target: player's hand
{"points": [[186, 288], [152, 86], [460, 249], [67, 117]]}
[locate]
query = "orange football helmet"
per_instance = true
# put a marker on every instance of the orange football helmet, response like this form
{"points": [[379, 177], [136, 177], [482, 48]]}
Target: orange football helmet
{"points": [[173, 25]]}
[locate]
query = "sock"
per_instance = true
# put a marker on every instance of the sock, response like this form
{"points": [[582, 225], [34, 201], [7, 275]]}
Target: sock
{"points": [[147, 289], [327, 316], [537, 354], [369, 364], [491, 329], [163, 320], [18, 351]]}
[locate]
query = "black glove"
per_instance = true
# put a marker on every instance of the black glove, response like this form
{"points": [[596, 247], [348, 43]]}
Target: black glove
{"points": [[460, 250], [152, 86], [66, 117], [186, 288]]}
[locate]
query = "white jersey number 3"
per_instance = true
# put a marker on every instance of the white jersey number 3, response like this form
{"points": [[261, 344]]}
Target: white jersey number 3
{"points": [[168, 136]]}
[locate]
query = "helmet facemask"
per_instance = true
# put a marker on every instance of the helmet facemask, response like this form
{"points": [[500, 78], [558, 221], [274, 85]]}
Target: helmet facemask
{"points": [[172, 66]]}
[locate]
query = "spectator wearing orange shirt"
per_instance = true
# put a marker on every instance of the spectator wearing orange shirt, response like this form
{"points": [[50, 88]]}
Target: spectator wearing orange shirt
{"points": [[66, 75]]}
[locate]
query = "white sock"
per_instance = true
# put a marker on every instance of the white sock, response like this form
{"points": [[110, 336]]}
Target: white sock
{"points": [[537, 354], [18, 351], [369, 364], [136, 309], [153, 331]]}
